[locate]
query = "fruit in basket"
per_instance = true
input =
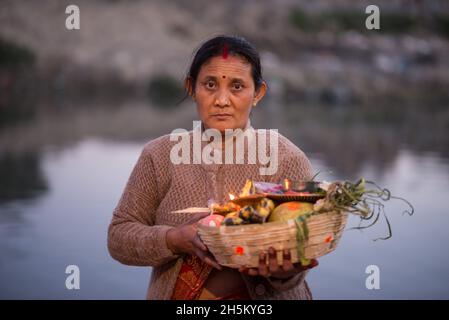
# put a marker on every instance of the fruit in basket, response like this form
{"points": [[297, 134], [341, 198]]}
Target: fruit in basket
{"points": [[225, 208], [263, 210], [248, 189], [232, 214], [290, 210], [256, 213], [245, 212], [233, 221], [213, 220]]}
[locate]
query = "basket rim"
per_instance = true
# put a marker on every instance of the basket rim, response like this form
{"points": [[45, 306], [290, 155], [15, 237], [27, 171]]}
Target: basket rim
{"points": [[311, 197], [289, 222]]}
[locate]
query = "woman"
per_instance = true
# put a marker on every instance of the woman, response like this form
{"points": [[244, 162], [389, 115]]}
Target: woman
{"points": [[225, 81]]}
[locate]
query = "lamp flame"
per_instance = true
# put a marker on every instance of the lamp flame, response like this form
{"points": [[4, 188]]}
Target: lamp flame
{"points": [[286, 184], [231, 196]]}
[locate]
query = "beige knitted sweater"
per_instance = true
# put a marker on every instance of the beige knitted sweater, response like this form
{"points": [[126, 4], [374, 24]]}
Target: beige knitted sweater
{"points": [[156, 187]]}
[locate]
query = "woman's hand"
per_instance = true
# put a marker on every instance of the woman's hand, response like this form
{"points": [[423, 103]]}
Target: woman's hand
{"points": [[185, 239], [273, 269]]}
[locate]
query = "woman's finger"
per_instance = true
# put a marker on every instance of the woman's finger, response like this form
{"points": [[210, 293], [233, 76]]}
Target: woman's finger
{"points": [[253, 272], [313, 263], [287, 264], [212, 262], [205, 258], [243, 270], [272, 260], [199, 244], [263, 268]]}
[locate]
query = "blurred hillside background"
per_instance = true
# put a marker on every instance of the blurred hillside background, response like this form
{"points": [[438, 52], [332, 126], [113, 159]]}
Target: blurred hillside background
{"points": [[76, 107]]}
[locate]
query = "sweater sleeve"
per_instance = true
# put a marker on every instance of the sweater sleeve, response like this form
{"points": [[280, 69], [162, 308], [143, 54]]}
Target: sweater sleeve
{"points": [[261, 288], [284, 285], [133, 237]]}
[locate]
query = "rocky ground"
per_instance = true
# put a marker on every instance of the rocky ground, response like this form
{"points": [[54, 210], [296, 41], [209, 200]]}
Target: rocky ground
{"points": [[316, 51]]}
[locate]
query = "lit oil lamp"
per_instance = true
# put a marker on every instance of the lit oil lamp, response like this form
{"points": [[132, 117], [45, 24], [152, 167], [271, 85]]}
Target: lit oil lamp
{"points": [[286, 185]]}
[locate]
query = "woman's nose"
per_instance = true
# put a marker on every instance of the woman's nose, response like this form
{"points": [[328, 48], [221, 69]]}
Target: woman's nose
{"points": [[222, 99]]}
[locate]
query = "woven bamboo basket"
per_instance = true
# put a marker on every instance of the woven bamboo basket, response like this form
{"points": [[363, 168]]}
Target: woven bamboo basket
{"points": [[239, 246]]}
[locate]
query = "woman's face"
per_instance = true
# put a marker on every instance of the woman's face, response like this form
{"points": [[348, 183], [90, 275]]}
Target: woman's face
{"points": [[225, 93]]}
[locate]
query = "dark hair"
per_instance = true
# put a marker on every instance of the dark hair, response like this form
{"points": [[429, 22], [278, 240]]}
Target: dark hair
{"points": [[224, 45]]}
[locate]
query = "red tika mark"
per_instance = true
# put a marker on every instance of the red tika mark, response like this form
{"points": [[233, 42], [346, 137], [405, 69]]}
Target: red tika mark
{"points": [[225, 50], [328, 239], [239, 251]]}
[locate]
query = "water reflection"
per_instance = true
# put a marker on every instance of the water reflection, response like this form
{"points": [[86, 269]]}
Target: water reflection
{"points": [[63, 173], [356, 136], [412, 263], [22, 177]]}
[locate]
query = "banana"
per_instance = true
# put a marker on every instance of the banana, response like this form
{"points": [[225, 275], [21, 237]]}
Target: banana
{"points": [[248, 189]]}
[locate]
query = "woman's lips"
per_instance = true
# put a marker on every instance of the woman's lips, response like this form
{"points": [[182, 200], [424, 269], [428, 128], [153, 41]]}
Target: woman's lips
{"points": [[222, 116]]}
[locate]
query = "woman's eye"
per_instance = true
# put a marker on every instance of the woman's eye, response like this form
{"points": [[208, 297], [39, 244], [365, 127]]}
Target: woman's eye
{"points": [[237, 86], [210, 84]]}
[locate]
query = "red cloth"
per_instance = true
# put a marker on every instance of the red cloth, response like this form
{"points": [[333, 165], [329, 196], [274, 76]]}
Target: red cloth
{"points": [[191, 280]]}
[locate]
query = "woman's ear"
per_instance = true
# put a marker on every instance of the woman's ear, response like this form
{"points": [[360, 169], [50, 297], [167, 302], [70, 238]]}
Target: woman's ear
{"points": [[260, 93], [189, 87]]}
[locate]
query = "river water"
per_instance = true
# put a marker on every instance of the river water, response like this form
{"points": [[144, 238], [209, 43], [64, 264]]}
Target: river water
{"points": [[63, 173]]}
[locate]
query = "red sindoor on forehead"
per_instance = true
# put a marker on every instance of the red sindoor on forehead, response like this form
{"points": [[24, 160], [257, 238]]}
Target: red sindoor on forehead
{"points": [[225, 51]]}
